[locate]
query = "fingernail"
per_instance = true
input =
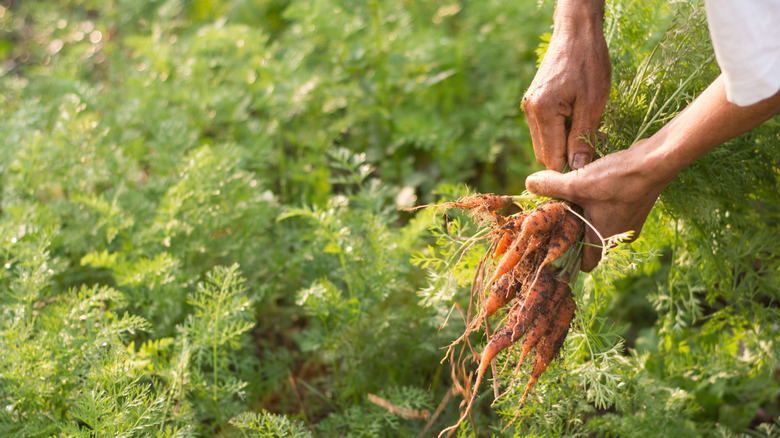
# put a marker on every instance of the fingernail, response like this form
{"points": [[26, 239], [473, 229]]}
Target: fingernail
{"points": [[580, 160]]}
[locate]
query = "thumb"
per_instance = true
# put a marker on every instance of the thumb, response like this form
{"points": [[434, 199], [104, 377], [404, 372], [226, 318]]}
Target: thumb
{"points": [[550, 184]]}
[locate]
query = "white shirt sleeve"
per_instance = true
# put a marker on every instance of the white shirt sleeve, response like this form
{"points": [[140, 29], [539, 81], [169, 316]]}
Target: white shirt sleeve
{"points": [[746, 38]]}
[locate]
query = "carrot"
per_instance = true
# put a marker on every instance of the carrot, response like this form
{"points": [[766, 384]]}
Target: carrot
{"points": [[488, 202], [501, 293], [524, 312], [544, 321], [511, 258], [500, 341], [534, 243], [562, 324], [503, 244], [481, 201], [544, 307], [539, 222], [561, 241], [564, 238], [514, 223], [551, 344], [545, 217], [510, 227]]}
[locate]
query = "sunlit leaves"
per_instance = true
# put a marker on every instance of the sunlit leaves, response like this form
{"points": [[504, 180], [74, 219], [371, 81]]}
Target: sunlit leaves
{"points": [[268, 425]]}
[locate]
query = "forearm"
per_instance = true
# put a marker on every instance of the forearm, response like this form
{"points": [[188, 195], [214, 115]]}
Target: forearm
{"points": [[706, 123], [575, 15]]}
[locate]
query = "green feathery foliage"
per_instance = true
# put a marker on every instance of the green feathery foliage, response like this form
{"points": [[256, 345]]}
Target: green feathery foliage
{"points": [[200, 229]]}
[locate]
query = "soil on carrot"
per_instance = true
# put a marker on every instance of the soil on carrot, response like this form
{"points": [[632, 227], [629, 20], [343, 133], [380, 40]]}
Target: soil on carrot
{"points": [[525, 246]]}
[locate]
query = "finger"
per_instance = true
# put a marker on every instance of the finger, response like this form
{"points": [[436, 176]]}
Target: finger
{"points": [[582, 136], [548, 130], [530, 117], [552, 134], [552, 185]]}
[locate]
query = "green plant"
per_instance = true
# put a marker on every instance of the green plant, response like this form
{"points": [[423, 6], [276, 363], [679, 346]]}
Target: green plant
{"points": [[709, 334], [200, 230]]}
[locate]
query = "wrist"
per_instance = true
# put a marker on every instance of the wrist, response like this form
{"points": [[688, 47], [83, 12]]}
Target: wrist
{"points": [[650, 160], [579, 15]]}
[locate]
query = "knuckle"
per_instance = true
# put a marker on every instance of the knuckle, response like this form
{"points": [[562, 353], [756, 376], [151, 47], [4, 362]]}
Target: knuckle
{"points": [[526, 104]]}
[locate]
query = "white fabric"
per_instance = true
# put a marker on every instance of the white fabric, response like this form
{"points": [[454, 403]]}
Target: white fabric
{"points": [[746, 38]]}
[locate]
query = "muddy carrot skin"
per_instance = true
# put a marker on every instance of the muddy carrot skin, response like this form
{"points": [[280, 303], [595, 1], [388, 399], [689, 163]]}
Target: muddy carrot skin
{"points": [[524, 313], [512, 257], [537, 226], [564, 238], [487, 202], [544, 321], [562, 323], [501, 293], [550, 345]]}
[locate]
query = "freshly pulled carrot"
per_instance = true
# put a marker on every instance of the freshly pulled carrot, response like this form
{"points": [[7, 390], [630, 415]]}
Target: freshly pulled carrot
{"points": [[509, 227], [544, 218], [564, 238], [513, 223], [503, 244], [527, 243], [501, 293], [500, 341], [512, 257], [547, 349], [539, 222], [487, 202], [544, 321], [480, 202], [560, 329], [524, 313], [534, 243], [561, 241]]}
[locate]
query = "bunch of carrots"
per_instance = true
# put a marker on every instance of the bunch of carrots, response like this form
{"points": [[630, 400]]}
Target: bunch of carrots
{"points": [[521, 254]]}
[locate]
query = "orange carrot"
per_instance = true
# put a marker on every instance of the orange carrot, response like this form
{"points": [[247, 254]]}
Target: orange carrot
{"points": [[509, 227], [534, 243], [539, 222], [501, 292], [545, 217], [487, 202], [544, 321], [561, 241], [551, 344], [481, 201], [500, 341], [503, 244], [561, 326], [564, 238], [514, 223], [512, 257], [523, 313], [544, 307]]}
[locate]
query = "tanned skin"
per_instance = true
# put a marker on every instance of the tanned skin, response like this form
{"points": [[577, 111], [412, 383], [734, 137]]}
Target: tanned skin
{"points": [[617, 191]]}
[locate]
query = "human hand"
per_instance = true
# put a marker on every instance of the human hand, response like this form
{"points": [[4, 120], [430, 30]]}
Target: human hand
{"points": [[572, 82], [615, 192], [618, 191]]}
